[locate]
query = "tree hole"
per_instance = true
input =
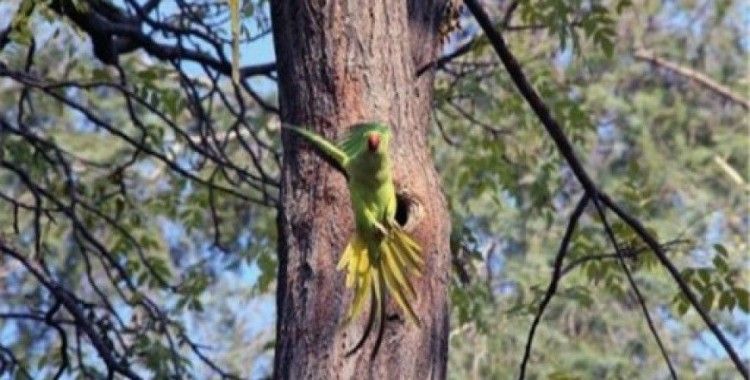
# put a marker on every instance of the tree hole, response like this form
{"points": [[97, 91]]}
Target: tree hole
{"points": [[408, 209], [402, 210]]}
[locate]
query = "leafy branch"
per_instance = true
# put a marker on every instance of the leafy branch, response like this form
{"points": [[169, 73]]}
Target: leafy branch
{"points": [[591, 189]]}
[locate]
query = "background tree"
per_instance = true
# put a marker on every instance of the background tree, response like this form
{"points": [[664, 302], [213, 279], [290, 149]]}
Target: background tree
{"points": [[139, 186]]}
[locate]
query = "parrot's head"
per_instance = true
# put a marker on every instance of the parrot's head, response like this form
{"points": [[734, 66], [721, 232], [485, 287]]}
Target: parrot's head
{"points": [[367, 146], [371, 138]]}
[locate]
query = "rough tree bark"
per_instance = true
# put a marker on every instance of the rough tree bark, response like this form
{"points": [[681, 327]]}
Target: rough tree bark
{"points": [[342, 62]]}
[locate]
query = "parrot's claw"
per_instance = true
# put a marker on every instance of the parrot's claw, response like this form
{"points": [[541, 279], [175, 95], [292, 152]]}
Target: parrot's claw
{"points": [[381, 228]]}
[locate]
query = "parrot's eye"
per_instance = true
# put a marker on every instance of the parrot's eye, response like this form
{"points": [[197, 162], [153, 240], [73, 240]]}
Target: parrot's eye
{"points": [[373, 141]]}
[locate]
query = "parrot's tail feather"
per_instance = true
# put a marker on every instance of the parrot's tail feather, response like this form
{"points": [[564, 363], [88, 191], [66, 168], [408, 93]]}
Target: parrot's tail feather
{"points": [[362, 286], [368, 327], [346, 257], [356, 263], [410, 251], [402, 261], [381, 312], [398, 254], [380, 274], [395, 290], [347, 260], [397, 267]]}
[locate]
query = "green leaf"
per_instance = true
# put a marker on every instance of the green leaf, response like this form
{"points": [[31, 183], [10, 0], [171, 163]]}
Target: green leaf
{"points": [[707, 300], [743, 299], [725, 300], [705, 275], [622, 4], [720, 264], [682, 308], [196, 305], [721, 250], [160, 267], [608, 46], [267, 265]]}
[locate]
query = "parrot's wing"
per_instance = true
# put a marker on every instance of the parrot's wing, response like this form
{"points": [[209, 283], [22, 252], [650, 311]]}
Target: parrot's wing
{"points": [[325, 146]]}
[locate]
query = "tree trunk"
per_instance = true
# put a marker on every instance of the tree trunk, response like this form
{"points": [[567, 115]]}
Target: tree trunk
{"points": [[342, 62]]}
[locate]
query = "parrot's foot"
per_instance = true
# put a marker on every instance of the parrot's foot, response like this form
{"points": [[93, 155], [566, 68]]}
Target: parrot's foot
{"points": [[381, 228]]}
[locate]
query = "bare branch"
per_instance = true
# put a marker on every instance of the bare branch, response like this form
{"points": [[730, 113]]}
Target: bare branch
{"points": [[625, 252], [634, 286], [556, 275], [115, 33], [70, 304], [695, 76], [731, 172]]}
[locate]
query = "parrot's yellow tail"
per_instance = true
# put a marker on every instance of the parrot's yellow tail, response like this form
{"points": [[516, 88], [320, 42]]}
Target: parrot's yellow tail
{"points": [[374, 273]]}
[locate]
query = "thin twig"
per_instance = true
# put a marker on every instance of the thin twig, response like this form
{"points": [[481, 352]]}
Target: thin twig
{"points": [[636, 291], [630, 253], [556, 275], [695, 76], [731, 172]]}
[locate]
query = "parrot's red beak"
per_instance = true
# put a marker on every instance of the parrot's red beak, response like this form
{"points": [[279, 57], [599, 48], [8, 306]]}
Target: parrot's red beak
{"points": [[373, 141]]}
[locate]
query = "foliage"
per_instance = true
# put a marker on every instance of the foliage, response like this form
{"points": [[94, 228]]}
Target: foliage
{"points": [[650, 137], [130, 186]]}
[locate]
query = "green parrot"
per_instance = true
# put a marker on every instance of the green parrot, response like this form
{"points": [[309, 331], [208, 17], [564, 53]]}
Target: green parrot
{"points": [[380, 253]]}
